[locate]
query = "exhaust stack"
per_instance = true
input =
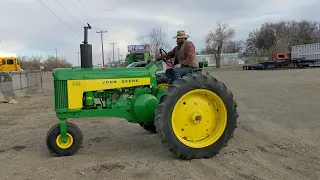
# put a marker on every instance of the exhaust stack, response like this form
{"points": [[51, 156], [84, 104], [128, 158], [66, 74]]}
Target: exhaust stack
{"points": [[86, 50]]}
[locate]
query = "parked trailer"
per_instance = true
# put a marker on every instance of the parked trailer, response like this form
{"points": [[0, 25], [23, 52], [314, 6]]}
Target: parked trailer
{"points": [[301, 56], [252, 67], [300, 63], [306, 51], [264, 65], [282, 64]]}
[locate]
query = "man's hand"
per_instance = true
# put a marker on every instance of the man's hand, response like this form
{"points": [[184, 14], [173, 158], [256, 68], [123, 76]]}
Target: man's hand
{"points": [[159, 58]]}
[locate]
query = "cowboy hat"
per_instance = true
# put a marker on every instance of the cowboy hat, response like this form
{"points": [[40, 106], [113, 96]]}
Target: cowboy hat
{"points": [[181, 34]]}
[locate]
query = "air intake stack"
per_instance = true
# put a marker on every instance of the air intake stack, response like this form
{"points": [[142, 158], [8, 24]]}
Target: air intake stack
{"points": [[86, 50]]}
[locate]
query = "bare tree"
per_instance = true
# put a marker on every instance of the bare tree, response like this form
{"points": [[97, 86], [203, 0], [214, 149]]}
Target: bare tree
{"points": [[281, 36], [109, 59], [31, 63], [49, 62], [217, 39], [233, 47], [157, 38]]}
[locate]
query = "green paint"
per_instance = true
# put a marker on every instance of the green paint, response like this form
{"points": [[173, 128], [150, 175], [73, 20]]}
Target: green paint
{"points": [[135, 104], [60, 95], [152, 68], [127, 103], [63, 129], [89, 99], [158, 92], [205, 63], [144, 107], [136, 57], [121, 112], [98, 73], [200, 64]]}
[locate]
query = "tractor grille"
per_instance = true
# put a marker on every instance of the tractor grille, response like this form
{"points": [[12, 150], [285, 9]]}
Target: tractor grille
{"points": [[60, 94]]}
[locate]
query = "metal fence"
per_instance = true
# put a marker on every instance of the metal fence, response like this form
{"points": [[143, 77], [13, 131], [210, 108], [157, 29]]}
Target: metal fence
{"points": [[26, 82], [231, 59]]}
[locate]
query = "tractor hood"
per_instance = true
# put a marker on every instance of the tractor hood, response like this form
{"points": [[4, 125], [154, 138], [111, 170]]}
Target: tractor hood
{"points": [[99, 73]]}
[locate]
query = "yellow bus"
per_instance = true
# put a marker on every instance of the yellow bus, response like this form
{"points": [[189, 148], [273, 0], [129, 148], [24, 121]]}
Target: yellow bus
{"points": [[9, 64]]}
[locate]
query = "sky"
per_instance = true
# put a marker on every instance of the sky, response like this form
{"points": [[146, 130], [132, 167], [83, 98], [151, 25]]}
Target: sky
{"points": [[28, 28]]}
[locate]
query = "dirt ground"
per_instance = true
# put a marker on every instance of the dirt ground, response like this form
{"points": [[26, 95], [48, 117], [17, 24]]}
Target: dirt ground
{"points": [[277, 137]]}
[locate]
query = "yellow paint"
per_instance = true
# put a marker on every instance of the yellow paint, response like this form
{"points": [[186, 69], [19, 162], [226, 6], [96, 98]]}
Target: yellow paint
{"points": [[199, 118], [65, 145], [9, 64], [76, 88], [163, 85]]}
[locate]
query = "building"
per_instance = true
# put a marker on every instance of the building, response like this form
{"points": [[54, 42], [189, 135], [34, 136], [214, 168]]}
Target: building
{"points": [[231, 59]]}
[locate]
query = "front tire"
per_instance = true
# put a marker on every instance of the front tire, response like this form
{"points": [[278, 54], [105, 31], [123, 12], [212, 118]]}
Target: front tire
{"points": [[196, 117], [73, 144]]}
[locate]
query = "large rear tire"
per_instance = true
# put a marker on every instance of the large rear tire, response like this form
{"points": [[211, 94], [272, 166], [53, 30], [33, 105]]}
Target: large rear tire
{"points": [[196, 117]]}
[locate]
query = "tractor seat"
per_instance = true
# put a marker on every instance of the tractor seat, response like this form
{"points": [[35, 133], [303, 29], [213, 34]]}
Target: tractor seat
{"points": [[162, 78]]}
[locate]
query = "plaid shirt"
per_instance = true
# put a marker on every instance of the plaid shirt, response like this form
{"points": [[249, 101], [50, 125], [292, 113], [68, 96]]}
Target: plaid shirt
{"points": [[189, 53]]}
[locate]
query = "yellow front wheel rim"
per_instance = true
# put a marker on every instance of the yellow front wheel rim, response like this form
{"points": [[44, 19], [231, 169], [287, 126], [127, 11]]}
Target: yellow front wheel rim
{"points": [[199, 118], [65, 145]]}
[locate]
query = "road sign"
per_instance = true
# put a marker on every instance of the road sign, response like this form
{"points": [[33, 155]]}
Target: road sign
{"points": [[139, 48]]}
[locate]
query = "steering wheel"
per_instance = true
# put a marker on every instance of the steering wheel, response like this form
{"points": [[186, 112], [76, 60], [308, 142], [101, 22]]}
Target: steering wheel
{"points": [[162, 52]]}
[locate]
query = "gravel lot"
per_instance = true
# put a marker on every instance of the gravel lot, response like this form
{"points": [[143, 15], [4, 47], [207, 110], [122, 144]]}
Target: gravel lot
{"points": [[277, 137]]}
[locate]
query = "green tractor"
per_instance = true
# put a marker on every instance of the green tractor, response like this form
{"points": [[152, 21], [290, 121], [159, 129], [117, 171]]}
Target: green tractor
{"points": [[195, 117], [143, 54]]}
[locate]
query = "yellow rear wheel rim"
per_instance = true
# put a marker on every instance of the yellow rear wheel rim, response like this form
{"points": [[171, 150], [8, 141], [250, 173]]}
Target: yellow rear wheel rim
{"points": [[199, 118], [65, 145]]}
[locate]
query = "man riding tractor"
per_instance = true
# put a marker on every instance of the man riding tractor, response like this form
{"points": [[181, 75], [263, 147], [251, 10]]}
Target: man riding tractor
{"points": [[183, 55]]}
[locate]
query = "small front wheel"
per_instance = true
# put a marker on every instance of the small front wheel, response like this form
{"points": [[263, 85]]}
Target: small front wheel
{"points": [[73, 144]]}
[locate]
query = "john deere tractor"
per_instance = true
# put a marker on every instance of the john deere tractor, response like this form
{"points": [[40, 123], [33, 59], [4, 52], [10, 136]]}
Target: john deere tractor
{"points": [[194, 117]]}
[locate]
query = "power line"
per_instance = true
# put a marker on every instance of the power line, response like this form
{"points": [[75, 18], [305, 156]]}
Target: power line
{"points": [[102, 32], [60, 19], [68, 12], [78, 10], [88, 13]]}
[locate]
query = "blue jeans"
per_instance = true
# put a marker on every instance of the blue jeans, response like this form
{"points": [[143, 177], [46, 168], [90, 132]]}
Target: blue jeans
{"points": [[172, 75]]}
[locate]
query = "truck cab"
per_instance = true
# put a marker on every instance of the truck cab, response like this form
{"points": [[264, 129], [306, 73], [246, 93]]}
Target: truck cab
{"points": [[9, 64], [137, 57], [138, 53]]}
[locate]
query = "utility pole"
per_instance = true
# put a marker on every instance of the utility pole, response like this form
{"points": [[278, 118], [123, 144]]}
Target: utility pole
{"points": [[101, 33], [56, 54], [78, 58], [113, 51], [118, 54]]}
